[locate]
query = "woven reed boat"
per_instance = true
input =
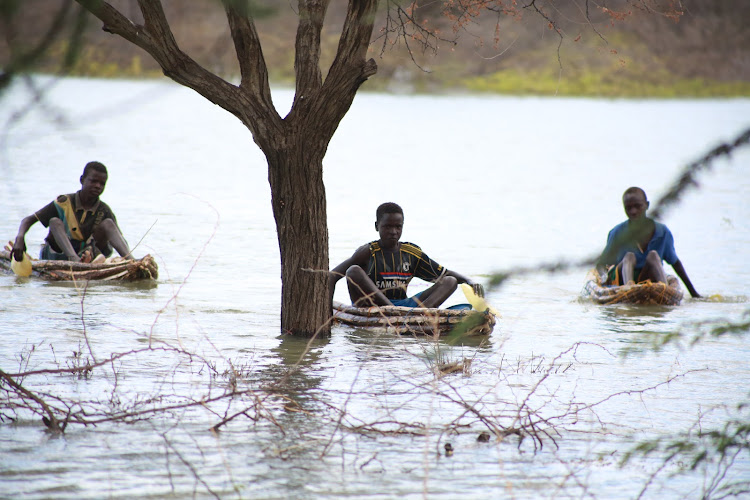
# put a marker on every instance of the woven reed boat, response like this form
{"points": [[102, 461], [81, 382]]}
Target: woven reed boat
{"points": [[115, 269], [416, 320], [647, 293]]}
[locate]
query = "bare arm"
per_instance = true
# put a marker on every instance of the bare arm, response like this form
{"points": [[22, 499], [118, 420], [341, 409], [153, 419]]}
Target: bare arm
{"points": [[680, 270], [359, 258], [601, 270], [19, 246], [478, 288]]}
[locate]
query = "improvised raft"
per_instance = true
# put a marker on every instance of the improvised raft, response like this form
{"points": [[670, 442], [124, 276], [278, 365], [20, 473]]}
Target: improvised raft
{"points": [[113, 269], [416, 320], [647, 293]]}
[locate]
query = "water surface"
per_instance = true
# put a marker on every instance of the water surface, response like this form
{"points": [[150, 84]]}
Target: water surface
{"points": [[487, 184]]}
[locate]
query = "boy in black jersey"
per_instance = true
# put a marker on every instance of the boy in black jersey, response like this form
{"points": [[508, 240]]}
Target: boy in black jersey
{"points": [[379, 272]]}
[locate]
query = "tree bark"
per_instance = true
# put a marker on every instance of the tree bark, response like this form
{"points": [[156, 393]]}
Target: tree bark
{"points": [[298, 198]]}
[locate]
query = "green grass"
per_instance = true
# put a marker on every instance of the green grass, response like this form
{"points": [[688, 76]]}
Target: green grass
{"points": [[582, 75], [601, 83]]}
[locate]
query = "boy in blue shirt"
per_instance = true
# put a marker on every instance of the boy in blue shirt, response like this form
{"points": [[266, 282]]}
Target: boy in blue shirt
{"points": [[636, 248]]}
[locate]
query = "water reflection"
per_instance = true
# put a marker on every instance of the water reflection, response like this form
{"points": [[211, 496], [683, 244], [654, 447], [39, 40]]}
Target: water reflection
{"points": [[372, 338], [634, 320], [296, 374], [299, 433]]}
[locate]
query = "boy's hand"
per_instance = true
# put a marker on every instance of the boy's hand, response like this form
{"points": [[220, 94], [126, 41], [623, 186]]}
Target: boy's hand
{"points": [[19, 247], [478, 289]]}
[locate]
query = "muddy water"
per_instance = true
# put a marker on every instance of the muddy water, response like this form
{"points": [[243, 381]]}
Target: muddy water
{"points": [[487, 184]]}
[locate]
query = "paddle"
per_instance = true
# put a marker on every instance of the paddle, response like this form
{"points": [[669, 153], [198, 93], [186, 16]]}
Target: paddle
{"points": [[477, 302], [22, 268]]}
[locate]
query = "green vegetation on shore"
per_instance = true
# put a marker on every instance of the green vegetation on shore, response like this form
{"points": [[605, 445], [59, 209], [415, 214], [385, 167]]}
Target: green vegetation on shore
{"points": [[594, 82], [620, 81], [622, 65], [597, 83]]}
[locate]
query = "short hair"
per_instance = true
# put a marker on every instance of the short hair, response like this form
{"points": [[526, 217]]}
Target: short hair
{"points": [[633, 190], [388, 208], [94, 165]]}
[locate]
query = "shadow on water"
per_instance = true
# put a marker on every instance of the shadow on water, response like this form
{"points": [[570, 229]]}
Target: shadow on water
{"points": [[101, 285], [367, 339], [636, 320], [295, 374]]}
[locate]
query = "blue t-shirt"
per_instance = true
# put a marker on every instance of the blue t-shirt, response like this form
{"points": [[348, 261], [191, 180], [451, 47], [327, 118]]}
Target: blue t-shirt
{"points": [[662, 241]]}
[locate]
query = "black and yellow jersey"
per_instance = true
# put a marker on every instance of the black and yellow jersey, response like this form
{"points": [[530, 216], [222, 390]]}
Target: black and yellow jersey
{"points": [[392, 271]]}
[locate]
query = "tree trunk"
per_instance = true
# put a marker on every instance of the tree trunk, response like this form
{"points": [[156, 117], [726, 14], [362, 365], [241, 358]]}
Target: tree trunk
{"points": [[298, 198]]}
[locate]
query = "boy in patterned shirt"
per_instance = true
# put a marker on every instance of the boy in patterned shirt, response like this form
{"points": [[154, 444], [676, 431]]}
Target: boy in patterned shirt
{"points": [[379, 272]]}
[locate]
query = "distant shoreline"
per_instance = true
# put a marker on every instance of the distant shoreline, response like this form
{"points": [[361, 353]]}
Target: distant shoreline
{"points": [[507, 83]]}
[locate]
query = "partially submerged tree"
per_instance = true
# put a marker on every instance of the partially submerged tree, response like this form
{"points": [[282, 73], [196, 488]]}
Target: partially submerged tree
{"points": [[295, 145]]}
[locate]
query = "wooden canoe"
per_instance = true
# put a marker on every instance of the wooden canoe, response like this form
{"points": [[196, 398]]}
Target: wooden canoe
{"points": [[646, 293], [415, 320], [116, 269]]}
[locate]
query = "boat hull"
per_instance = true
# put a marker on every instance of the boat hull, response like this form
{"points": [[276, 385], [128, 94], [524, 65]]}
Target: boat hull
{"points": [[115, 270], [647, 293], [416, 320]]}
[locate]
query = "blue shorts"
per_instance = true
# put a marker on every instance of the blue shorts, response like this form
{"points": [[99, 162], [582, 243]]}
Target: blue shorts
{"points": [[408, 302], [412, 302], [48, 253]]}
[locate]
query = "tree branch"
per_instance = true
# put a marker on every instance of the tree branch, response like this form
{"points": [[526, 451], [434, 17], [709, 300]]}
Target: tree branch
{"points": [[51, 422], [253, 69], [328, 104], [354, 41], [155, 37], [307, 47]]}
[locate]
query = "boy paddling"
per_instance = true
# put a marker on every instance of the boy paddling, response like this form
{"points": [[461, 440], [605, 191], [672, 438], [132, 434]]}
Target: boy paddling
{"points": [[635, 248], [379, 272], [81, 226]]}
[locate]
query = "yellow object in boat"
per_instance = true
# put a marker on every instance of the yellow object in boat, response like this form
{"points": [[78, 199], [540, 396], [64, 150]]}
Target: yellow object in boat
{"points": [[477, 303], [22, 268]]}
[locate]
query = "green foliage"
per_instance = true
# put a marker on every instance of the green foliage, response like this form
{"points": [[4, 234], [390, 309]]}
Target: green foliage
{"points": [[601, 82], [715, 449], [693, 334]]}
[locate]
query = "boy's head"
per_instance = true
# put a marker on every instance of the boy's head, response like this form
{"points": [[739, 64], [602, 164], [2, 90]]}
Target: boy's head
{"points": [[93, 166], [387, 208], [93, 179], [635, 203], [389, 223]]}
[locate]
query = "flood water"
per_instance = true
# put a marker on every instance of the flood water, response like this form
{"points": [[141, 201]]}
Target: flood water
{"points": [[487, 184]]}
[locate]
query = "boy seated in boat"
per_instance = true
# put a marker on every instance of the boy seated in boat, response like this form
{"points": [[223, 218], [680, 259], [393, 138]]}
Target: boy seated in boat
{"points": [[379, 272], [81, 226], [635, 248]]}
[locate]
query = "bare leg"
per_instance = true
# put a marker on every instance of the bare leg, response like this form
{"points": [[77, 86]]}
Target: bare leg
{"points": [[108, 232], [439, 292], [57, 228], [653, 269], [362, 290], [627, 268]]}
